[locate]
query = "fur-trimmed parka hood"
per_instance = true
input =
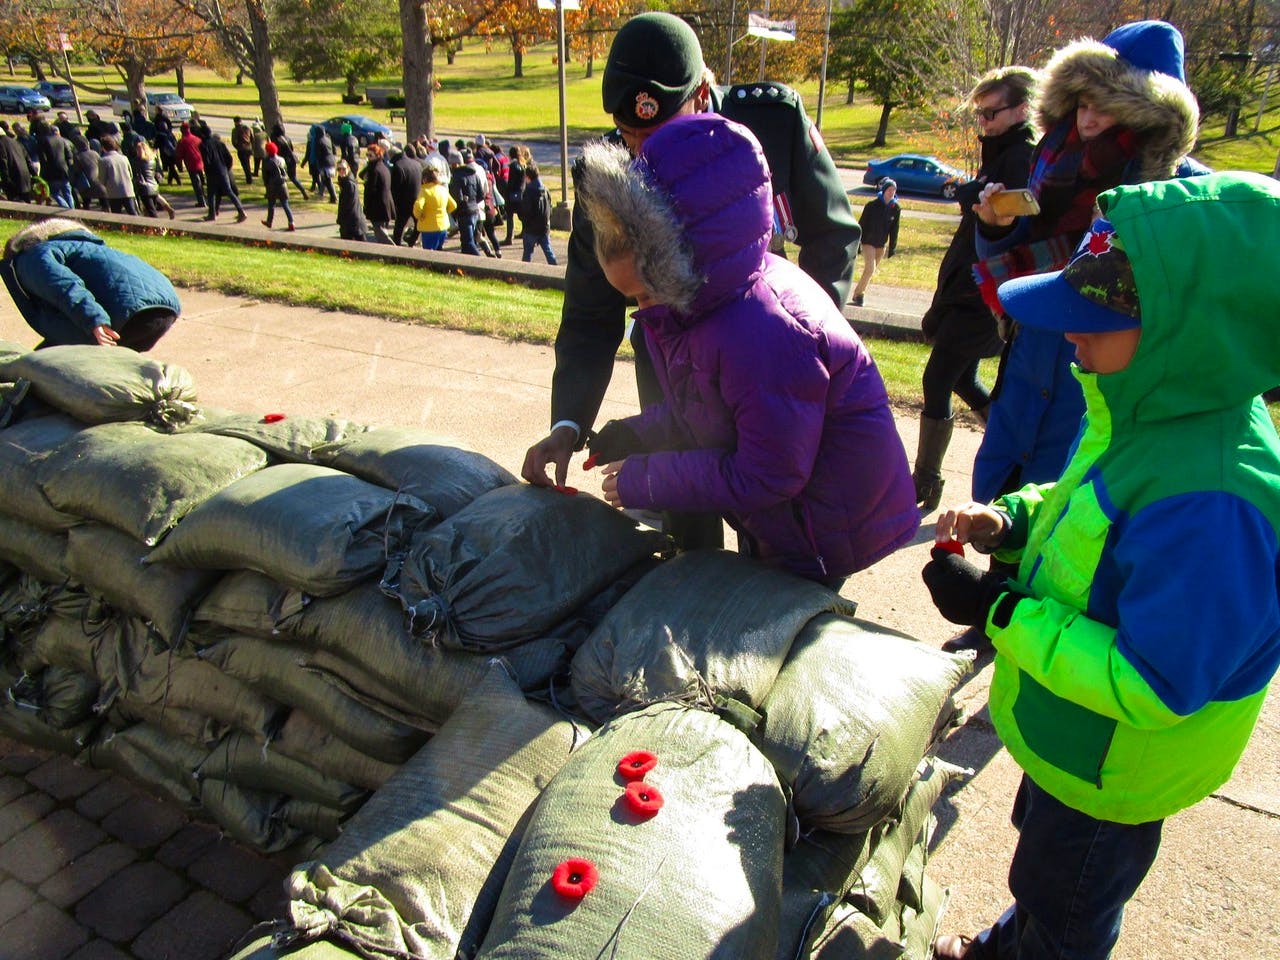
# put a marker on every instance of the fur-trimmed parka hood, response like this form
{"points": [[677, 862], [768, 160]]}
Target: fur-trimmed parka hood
{"points": [[42, 230], [1125, 75]]}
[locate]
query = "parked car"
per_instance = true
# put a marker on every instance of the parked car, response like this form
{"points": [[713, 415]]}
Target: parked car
{"points": [[170, 104], [914, 173], [364, 128], [16, 99], [59, 94]]}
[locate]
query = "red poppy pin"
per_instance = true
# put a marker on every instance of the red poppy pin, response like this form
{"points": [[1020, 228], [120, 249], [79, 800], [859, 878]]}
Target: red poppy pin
{"points": [[636, 764], [644, 799], [574, 878]]}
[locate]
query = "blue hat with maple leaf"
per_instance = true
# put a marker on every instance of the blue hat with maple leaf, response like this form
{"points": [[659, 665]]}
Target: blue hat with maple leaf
{"points": [[1094, 293]]}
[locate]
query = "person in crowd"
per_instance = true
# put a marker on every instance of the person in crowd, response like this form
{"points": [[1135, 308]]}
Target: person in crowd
{"points": [[258, 144], [535, 214], [56, 162], [71, 288], [467, 191], [654, 72], [1135, 645], [200, 126], [96, 128], [167, 150], [406, 184], [326, 163], [379, 205], [1112, 112], [432, 208], [349, 145], [15, 166], [146, 183], [218, 165], [879, 223], [84, 174], [242, 144], [286, 153], [959, 326], [486, 227], [351, 221], [129, 140], [517, 157], [65, 126], [773, 412], [276, 180], [191, 155], [116, 176]]}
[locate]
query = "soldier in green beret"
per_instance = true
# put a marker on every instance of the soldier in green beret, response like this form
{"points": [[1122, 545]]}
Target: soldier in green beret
{"points": [[655, 72]]}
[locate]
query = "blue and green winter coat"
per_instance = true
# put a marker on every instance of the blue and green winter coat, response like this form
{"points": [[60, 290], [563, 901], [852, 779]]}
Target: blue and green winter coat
{"points": [[1129, 682]]}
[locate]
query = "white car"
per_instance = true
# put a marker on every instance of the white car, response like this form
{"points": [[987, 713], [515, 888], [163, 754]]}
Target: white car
{"points": [[170, 104]]}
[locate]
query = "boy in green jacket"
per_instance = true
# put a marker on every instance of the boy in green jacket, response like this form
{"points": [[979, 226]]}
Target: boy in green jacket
{"points": [[1135, 646]]}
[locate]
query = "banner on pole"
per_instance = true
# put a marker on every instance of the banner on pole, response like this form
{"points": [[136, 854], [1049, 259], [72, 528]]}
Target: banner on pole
{"points": [[759, 26], [551, 4]]}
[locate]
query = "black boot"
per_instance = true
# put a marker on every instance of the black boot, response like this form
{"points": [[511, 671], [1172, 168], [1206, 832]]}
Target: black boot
{"points": [[935, 436]]}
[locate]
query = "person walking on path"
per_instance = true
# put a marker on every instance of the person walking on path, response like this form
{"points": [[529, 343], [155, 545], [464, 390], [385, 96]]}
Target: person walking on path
{"points": [[57, 160], [286, 153], [147, 185], [351, 221], [191, 155], [468, 193], [535, 214], [84, 176], [879, 223], [958, 324], [242, 144], [1131, 662], [379, 206], [406, 183], [116, 176], [432, 208], [517, 157], [276, 180], [167, 150], [15, 166], [217, 165], [258, 146], [326, 164]]}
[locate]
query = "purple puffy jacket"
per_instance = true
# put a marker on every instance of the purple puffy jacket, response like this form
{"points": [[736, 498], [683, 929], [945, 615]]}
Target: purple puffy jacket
{"points": [[775, 415]]}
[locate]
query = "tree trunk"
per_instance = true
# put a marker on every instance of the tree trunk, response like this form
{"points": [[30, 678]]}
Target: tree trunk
{"points": [[883, 129], [239, 78], [848, 93], [181, 73], [418, 61], [351, 85], [591, 64], [518, 54], [135, 78], [264, 65]]}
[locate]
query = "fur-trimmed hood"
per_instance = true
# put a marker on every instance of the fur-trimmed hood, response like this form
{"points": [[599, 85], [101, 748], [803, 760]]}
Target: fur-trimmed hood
{"points": [[42, 230], [1156, 105]]}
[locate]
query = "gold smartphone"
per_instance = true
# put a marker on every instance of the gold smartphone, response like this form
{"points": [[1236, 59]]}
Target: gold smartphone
{"points": [[1014, 203]]}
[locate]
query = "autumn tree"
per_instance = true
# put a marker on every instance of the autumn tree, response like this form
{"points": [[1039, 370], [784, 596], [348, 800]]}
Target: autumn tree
{"points": [[141, 38], [25, 29], [244, 31], [522, 25], [590, 29], [348, 39]]}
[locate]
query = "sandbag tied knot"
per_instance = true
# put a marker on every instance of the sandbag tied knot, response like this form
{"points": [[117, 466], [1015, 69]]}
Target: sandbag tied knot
{"points": [[636, 764], [574, 878]]}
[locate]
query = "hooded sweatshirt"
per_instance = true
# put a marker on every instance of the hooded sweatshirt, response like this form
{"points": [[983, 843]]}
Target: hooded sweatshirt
{"points": [[775, 415], [1128, 684]]}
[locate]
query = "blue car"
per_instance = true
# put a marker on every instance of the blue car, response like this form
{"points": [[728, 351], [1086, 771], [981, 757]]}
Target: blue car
{"points": [[366, 130], [16, 99], [58, 94], [914, 173]]}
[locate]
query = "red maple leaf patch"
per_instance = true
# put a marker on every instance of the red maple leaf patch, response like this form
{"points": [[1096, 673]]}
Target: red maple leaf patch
{"points": [[1099, 243]]}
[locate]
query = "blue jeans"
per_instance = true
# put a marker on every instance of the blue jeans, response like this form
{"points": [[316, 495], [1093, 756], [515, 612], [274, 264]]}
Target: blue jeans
{"points": [[1070, 878], [434, 239], [543, 241], [284, 205], [60, 191], [467, 235]]}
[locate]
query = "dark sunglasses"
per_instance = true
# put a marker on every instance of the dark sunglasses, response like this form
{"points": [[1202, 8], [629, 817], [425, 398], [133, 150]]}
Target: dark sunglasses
{"points": [[989, 115]]}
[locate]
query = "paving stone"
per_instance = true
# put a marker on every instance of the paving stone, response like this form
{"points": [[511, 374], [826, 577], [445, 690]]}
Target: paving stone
{"points": [[63, 779], [83, 875], [135, 897], [15, 897], [109, 795], [98, 950], [181, 850], [18, 815], [144, 822], [12, 786], [42, 932], [20, 758], [202, 927], [47, 846], [234, 872]]}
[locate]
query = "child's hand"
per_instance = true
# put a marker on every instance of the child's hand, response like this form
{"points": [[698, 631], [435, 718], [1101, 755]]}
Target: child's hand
{"points": [[610, 485], [974, 523]]}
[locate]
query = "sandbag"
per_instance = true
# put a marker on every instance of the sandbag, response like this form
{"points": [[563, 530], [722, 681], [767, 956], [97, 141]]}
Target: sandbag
{"points": [[141, 481], [417, 871], [850, 717], [109, 563], [94, 385], [23, 448], [287, 440], [417, 463], [261, 947], [248, 602], [707, 624], [512, 564], [304, 739], [282, 672], [61, 697], [27, 602], [162, 764], [919, 926], [249, 816], [241, 760], [37, 552], [852, 935], [816, 872], [26, 727], [10, 350], [310, 527], [361, 637], [700, 878], [71, 642], [315, 819]]}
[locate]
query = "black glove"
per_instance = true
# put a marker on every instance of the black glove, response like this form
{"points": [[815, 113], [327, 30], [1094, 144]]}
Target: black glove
{"points": [[614, 441], [963, 593]]}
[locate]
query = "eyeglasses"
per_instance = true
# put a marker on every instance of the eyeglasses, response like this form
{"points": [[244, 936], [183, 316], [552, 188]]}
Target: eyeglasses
{"points": [[989, 115]]}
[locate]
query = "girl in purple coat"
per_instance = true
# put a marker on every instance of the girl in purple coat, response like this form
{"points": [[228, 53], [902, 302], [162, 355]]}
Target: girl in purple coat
{"points": [[774, 415]]}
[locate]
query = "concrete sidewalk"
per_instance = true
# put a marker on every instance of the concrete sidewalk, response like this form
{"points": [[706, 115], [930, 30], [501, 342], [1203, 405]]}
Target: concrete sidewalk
{"points": [[103, 892]]}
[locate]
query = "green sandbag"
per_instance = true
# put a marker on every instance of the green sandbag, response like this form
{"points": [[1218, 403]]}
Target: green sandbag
{"points": [[110, 564], [920, 925], [361, 637], [852, 935], [263, 948], [511, 565], [163, 764], [9, 350], [417, 871], [287, 441], [313, 818], [242, 760], [71, 643], [249, 816], [876, 891], [37, 552], [310, 527], [102, 386], [181, 724], [308, 741], [248, 602], [417, 463], [23, 447], [850, 717], [700, 879], [141, 481], [281, 672], [816, 872], [707, 624], [61, 697]]}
